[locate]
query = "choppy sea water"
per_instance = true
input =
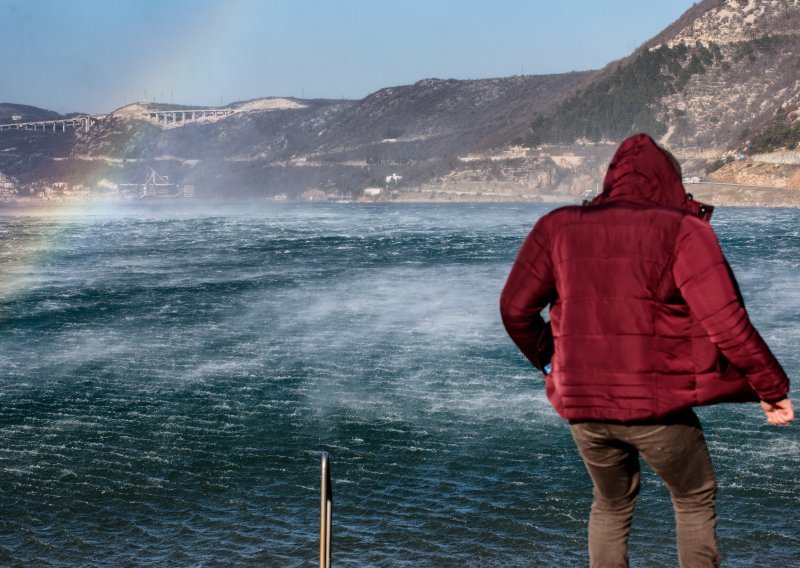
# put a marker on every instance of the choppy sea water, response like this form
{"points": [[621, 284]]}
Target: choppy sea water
{"points": [[169, 377]]}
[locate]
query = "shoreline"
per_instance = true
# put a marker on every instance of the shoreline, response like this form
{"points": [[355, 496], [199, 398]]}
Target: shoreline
{"points": [[715, 193], [736, 195]]}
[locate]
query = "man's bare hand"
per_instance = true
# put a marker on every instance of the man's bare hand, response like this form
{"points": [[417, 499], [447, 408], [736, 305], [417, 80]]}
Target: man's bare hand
{"points": [[778, 413]]}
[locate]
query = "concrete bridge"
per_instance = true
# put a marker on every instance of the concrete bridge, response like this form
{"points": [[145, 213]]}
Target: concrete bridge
{"points": [[160, 117], [184, 116], [82, 121]]}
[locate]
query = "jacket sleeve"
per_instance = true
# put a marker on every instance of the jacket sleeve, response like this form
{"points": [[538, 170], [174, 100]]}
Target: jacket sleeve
{"points": [[704, 279], [529, 289]]}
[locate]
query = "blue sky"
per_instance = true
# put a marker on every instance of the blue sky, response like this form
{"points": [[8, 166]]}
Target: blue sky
{"points": [[98, 55]]}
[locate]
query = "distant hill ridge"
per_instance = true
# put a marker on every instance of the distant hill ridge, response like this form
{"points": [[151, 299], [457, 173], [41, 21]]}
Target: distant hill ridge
{"points": [[26, 113]]}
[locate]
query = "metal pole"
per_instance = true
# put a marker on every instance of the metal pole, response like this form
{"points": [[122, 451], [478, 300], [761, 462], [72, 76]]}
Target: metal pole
{"points": [[326, 510]]}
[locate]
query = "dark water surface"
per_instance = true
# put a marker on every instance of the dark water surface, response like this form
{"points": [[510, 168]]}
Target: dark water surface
{"points": [[168, 379]]}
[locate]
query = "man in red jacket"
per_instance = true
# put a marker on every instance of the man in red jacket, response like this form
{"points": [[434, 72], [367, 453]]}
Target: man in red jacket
{"points": [[646, 322]]}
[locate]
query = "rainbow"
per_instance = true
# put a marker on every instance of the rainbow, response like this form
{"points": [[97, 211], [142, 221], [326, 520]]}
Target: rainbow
{"points": [[28, 235], [23, 253]]}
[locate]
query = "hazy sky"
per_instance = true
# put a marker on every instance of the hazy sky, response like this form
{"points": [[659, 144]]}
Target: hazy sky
{"points": [[99, 55]]}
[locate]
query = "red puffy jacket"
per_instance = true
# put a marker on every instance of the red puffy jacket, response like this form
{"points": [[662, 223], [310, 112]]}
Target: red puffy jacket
{"points": [[645, 315]]}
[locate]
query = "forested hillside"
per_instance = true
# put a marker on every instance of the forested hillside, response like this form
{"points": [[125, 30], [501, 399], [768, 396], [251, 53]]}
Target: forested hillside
{"points": [[652, 91]]}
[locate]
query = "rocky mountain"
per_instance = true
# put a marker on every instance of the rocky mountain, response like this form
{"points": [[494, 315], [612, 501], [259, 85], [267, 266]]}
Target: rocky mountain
{"points": [[719, 84], [710, 80], [287, 146]]}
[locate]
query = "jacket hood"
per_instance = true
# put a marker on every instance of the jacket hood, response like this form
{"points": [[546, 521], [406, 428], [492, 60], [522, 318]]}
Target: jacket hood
{"points": [[640, 172]]}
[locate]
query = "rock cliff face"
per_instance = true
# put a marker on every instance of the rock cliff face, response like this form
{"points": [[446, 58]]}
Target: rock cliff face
{"points": [[750, 103], [722, 81], [755, 76], [708, 82], [731, 21], [718, 82]]}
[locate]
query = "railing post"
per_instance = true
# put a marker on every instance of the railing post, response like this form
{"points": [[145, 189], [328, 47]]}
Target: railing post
{"points": [[326, 511]]}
